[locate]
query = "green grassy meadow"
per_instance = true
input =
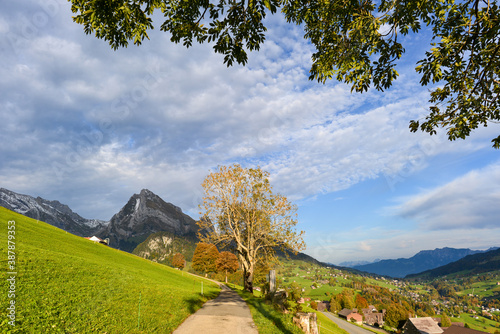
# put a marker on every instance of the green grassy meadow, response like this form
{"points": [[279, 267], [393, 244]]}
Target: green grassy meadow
{"points": [[67, 284], [487, 289], [480, 324]]}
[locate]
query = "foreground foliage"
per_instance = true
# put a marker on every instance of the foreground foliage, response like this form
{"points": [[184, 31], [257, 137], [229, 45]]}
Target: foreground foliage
{"points": [[356, 42], [67, 284], [265, 316]]}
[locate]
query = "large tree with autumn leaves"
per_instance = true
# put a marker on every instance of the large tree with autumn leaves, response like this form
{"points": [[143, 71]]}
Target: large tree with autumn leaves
{"points": [[241, 212]]}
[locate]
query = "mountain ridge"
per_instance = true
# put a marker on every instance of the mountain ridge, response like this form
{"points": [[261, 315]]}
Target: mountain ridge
{"points": [[474, 264], [52, 212], [144, 213], [422, 261]]}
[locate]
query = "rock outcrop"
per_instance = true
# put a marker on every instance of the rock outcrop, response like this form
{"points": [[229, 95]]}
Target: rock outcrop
{"points": [[162, 246]]}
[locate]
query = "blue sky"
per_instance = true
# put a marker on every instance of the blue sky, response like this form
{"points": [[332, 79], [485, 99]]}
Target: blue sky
{"points": [[90, 127]]}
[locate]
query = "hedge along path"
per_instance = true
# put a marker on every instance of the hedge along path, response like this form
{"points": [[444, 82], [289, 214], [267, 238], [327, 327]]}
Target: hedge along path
{"points": [[228, 313]]}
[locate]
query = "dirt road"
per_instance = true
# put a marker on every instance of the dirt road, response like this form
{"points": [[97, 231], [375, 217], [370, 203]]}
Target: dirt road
{"points": [[227, 313]]}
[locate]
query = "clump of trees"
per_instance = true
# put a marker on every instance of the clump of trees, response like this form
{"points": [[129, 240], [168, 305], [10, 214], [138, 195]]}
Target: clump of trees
{"points": [[445, 320], [207, 259], [294, 294]]}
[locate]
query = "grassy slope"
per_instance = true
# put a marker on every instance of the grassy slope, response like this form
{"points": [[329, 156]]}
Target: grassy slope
{"points": [[67, 284], [485, 289], [481, 324]]}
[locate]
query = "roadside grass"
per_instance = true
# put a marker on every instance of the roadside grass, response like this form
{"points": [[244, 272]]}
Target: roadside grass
{"points": [[327, 326], [331, 326], [67, 284], [269, 320]]}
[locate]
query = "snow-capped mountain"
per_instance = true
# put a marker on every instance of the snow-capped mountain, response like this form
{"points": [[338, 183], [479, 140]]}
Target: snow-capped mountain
{"points": [[51, 212]]}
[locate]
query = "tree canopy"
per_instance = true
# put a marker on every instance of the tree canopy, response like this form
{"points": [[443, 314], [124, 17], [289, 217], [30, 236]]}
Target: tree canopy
{"points": [[445, 320], [227, 262], [205, 258], [356, 42], [179, 261], [241, 212]]}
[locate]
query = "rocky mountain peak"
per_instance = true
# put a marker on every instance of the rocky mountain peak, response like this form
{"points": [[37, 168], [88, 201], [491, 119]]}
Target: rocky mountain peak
{"points": [[146, 213]]}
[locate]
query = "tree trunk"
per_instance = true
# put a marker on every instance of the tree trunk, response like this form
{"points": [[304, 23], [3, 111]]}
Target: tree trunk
{"points": [[248, 269], [226, 276], [248, 279]]}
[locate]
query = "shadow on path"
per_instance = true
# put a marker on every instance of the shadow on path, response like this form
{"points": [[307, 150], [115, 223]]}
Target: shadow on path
{"points": [[228, 313]]}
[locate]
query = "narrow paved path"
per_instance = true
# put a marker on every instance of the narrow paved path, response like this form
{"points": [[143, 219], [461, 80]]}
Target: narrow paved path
{"points": [[228, 313], [345, 325]]}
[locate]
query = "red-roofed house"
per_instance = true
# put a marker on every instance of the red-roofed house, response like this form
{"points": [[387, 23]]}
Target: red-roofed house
{"points": [[349, 315]]}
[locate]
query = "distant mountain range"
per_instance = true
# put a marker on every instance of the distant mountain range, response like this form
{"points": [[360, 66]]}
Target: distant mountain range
{"points": [[469, 265], [422, 261], [51, 212], [144, 214], [351, 264]]}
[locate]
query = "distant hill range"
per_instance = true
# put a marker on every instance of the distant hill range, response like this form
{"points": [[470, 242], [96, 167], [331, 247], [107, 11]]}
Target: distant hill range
{"points": [[51, 212], [469, 265], [422, 261], [352, 264]]}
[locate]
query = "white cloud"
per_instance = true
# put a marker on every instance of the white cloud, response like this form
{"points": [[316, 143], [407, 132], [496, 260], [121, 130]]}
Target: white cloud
{"points": [[470, 201]]}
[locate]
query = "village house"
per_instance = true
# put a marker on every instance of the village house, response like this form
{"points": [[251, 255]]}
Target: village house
{"points": [[487, 314], [97, 240], [350, 315], [425, 325], [373, 317]]}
